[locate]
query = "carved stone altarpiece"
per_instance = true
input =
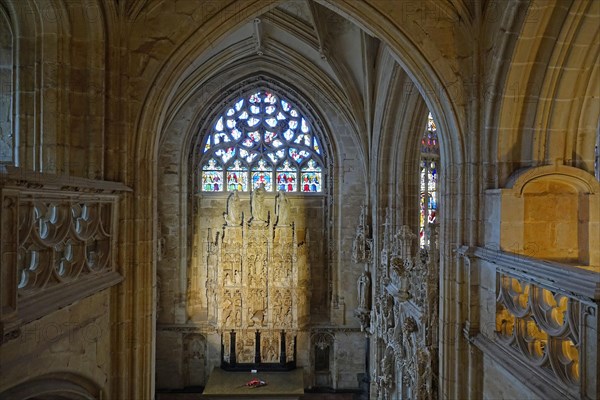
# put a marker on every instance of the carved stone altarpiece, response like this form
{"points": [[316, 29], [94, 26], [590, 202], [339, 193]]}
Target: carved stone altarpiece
{"points": [[258, 287]]}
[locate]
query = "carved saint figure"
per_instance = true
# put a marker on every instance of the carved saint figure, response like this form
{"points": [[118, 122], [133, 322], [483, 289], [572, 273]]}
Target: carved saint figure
{"points": [[233, 216], [282, 208], [257, 204], [363, 286]]}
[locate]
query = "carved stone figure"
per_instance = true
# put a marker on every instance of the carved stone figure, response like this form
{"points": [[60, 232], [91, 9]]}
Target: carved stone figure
{"points": [[364, 287], [282, 209], [259, 210], [361, 245], [233, 216], [227, 309], [269, 350]]}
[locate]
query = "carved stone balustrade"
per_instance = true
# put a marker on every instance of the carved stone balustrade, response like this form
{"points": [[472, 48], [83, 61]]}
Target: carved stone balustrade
{"points": [[545, 321], [58, 236]]}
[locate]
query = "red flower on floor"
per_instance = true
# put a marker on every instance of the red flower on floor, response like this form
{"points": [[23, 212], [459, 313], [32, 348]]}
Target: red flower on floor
{"points": [[254, 383]]}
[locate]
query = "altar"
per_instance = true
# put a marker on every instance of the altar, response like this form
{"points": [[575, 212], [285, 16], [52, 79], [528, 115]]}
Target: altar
{"points": [[226, 385]]}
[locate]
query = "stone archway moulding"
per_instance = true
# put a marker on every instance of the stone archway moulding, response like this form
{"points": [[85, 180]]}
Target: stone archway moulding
{"points": [[423, 73], [150, 123], [57, 385], [581, 180]]}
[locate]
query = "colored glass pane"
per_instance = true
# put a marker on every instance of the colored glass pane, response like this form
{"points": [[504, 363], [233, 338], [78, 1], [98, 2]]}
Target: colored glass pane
{"points": [[262, 177], [225, 154], [219, 124], [269, 136], [310, 180], [212, 177], [287, 177], [237, 177]]}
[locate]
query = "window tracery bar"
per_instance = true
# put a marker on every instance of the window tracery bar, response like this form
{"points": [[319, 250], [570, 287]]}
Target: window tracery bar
{"points": [[261, 139]]}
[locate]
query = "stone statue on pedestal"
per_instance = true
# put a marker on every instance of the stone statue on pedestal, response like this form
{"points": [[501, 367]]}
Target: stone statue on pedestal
{"points": [[233, 216], [282, 209], [363, 286], [260, 213]]}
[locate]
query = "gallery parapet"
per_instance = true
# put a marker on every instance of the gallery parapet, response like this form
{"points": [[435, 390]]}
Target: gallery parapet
{"points": [[572, 281], [27, 179], [58, 239]]}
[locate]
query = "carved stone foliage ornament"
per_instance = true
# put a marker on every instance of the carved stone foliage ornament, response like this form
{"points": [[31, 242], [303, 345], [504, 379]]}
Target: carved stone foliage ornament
{"points": [[405, 317]]}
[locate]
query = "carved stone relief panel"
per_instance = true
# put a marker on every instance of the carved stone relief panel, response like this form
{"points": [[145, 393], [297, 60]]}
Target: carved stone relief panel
{"points": [[290, 343], [226, 343], [194, 356], [245, 346], [269, 346]]}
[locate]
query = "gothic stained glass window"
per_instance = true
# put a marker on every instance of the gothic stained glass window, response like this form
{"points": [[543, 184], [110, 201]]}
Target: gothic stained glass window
{"points": [[262, 139], [429, 168]]}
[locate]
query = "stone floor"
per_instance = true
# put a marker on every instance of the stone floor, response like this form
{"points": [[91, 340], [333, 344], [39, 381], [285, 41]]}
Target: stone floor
{"points": [[307, 396]]}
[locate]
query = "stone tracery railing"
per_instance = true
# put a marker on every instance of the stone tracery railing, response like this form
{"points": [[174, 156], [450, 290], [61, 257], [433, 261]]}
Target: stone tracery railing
{"points": [[58, 238], [543, 326], [545, 321]]}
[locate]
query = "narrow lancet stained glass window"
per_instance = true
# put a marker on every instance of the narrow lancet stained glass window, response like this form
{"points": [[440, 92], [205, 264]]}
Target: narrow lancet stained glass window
{"points": [[287, 177], [237, 177], [212, 176], [429, 167], [262, 138], [261, 174], [311, 177]]}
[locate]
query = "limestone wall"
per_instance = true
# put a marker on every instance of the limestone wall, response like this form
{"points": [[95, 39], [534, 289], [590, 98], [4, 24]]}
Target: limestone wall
{"points": [[74, 341]]}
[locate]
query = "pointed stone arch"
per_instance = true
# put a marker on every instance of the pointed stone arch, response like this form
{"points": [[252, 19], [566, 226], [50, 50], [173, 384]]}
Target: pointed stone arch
{"points": [[59, 386], [428, 76]]}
